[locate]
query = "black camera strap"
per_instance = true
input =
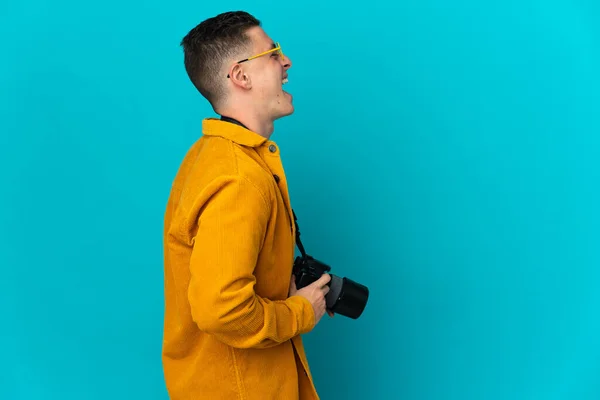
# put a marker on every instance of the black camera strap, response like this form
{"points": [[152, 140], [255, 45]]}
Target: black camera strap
{"points": [[298, 241], [233, 121]]}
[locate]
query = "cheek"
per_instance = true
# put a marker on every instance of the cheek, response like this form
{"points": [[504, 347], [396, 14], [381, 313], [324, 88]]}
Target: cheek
{"points": [[269, 85]]}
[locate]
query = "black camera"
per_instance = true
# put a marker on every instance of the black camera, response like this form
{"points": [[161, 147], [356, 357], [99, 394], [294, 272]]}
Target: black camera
{"points": [[345, 296]]}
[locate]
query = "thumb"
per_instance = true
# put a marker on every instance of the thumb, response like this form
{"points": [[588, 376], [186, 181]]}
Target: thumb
{"points": [[324, 279], [293, 285]]}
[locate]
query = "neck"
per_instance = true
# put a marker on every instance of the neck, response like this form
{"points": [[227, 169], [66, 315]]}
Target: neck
{"points": [[250, 119]]}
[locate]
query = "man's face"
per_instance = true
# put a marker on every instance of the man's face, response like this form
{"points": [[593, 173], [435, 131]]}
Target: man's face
{"points": [[268, 73]]}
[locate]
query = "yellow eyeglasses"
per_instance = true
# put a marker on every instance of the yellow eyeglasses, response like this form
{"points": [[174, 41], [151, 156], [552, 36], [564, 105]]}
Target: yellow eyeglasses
{"points": [[276, 49]]}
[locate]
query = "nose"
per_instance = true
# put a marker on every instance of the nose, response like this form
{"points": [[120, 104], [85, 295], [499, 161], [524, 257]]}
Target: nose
{"points": [[287, 62]]}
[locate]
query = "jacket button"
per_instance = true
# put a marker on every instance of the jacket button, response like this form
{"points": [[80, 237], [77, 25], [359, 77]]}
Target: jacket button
{"points": [[276, 178], [272, 148]]}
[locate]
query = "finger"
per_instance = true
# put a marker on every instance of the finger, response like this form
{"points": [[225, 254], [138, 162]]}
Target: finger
{"points": [[325, 289], [324, 279], [293, 284], [330, 313]]}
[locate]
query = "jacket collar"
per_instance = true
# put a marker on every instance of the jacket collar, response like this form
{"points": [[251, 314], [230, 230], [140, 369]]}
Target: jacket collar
{"points": [[228, 130]]}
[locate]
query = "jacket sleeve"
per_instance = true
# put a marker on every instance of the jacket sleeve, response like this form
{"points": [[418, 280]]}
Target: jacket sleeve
{"points": [[230, 233]]}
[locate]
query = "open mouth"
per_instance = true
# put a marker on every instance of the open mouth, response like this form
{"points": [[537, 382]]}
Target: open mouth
{"points": [[284, 80]]}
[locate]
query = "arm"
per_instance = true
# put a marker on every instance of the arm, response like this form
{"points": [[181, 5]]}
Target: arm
{"points": [[230, 235]]}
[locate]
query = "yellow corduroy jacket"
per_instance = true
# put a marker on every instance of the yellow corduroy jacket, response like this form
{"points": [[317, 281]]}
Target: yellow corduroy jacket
{"points": [[230, 330]]}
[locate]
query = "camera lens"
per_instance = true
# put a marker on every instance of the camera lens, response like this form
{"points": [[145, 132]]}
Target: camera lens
{"points": [[346, 297]]}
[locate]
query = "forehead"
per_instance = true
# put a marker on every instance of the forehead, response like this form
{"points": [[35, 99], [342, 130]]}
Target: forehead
{"points": [[260, 40]]}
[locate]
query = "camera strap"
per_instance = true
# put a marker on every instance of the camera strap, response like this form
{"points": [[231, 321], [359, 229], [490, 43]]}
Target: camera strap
{"points": [[298, 241], [233, 121]]}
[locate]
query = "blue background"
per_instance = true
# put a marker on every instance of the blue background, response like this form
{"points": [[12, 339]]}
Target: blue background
{"points": [[443, 153]]}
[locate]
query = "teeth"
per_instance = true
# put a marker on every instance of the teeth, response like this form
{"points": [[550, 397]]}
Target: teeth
{"points": [[283, 82]]}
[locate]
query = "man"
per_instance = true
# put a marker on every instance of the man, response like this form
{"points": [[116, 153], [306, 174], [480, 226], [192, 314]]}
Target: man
{"points": [[233, 315]]}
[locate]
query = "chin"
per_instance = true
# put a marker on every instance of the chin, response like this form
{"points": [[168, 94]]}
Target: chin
{"points": [[290, 110], [284, 112], [284, 106]]}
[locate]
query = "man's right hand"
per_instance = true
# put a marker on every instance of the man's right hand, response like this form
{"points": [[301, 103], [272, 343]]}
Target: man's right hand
{"points": [[314, 293]]}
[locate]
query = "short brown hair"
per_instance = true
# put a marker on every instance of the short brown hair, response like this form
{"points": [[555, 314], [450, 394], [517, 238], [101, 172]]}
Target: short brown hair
{"points": [[209, 44]]}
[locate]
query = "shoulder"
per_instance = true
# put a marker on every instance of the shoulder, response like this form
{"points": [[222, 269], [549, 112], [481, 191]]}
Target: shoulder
{"points": [[214, 164], [224, 157]]}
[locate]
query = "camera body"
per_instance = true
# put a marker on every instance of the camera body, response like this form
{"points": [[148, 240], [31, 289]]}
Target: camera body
{"points": [[345, 297], [307, 269]]}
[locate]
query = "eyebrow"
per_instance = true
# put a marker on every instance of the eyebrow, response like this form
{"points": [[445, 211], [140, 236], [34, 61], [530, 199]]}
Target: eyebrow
{"points": [[273, 45]]}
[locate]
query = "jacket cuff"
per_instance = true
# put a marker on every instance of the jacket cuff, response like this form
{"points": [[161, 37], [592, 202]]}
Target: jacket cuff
{"points": [[305, 315]]}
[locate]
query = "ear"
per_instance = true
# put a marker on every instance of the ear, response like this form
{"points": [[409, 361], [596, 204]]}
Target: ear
{"points": [[239, 77]]}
